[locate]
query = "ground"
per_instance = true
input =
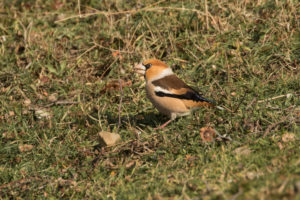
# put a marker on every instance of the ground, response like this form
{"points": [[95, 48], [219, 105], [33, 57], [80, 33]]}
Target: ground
{"points": [[66, 73]]}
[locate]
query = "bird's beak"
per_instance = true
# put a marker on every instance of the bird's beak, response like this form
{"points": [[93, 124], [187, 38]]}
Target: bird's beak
{"points": [[140, 68]]}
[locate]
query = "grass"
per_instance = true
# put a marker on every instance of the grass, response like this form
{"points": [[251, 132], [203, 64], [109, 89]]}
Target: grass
{"points": [[61, 62]]}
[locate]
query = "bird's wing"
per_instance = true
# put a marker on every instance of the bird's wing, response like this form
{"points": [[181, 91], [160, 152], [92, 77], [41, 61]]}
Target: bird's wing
{"points": [[172, 86]]}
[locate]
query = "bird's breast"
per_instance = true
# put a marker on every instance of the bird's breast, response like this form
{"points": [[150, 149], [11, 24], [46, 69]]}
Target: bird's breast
{"points": [[166, 105]]}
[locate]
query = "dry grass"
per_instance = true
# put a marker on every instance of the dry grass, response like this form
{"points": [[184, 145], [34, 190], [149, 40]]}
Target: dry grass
{"points": [[62, 64]]}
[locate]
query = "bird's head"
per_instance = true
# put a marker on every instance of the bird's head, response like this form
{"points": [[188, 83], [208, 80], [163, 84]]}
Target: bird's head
{"points": [[153, 69]]}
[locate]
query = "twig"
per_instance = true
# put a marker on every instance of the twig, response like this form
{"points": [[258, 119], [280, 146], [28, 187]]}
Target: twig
{"points": [[270, 127], [224, 107], [62, 102], [277, 97], [243, 98], [107, 69], [79, 9], [251, 103], [206, 15], [120, 104], [90, 49]]}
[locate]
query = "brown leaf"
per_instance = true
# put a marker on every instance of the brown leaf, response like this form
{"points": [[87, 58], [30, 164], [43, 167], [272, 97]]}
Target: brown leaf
{"points": [[44, 79], [25, 147], [27, 102], [11, 113], [115, 85], [52, 97], [288, 137], [208, 134], [109, 139], [45, 93]]}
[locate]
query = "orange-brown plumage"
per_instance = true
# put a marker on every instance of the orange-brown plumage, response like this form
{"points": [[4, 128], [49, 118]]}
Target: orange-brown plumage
{"points": [[169, 94]]}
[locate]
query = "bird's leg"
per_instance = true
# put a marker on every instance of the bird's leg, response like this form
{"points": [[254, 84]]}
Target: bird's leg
{"points": [[165, 124], [173, 116]]}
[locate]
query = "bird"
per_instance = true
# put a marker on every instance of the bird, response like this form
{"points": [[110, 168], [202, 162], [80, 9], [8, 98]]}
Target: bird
{"points": [[169, 94]]}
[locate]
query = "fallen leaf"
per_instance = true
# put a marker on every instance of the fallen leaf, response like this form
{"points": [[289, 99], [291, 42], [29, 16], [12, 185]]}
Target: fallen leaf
{"points": [[25, 147], [27, 102], [244, 150], [42, 113], [109, 139], [208, 134], [11, 113], [52, 97], [115, 85], [45, 93], [288, 137], [44, 79]]}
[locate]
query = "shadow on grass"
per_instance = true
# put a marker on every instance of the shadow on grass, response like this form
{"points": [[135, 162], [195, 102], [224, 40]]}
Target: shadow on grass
{"points": [[142, 119]]}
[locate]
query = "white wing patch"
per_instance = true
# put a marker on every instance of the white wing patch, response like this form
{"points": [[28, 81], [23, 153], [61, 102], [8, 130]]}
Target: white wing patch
{"points": [[160, 89]]}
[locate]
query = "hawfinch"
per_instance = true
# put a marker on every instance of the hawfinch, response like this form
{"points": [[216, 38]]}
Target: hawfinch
{"points": [[169, 94]]}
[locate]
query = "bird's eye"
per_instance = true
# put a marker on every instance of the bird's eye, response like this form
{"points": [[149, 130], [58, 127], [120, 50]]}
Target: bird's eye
{"points": [[148, 66]]}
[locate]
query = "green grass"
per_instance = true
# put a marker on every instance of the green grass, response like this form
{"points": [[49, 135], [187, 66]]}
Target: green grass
{"points": [[59, 64]]}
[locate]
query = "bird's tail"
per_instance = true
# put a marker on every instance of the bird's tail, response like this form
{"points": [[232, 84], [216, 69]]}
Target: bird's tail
{"points": [[210, 103]]}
